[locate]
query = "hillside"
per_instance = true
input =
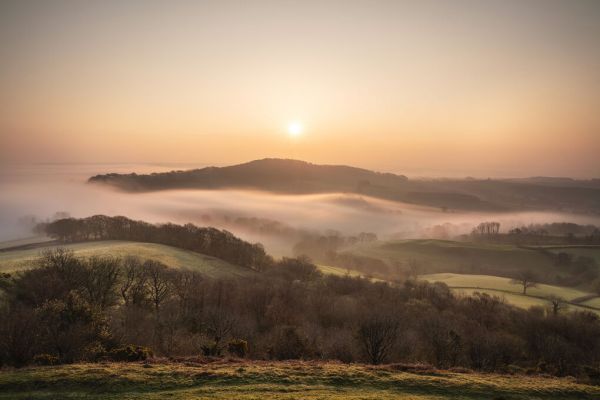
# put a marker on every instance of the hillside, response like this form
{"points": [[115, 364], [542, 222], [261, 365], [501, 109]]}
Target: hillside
{"points": [[435, 256], [277, 380], [299, 177], [511, 293], [14, 260]]}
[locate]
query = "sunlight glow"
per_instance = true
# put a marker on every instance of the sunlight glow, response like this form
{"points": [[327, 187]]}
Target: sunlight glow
{"points": [[294, 129]]}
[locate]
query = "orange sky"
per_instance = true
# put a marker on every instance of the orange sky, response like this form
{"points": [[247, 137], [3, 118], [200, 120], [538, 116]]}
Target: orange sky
{"points": [[507, 88]]}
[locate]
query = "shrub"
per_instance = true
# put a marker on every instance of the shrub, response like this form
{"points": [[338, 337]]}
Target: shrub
{"points": [[288, 344], [129, 353], [238, 347], [45, 359]]}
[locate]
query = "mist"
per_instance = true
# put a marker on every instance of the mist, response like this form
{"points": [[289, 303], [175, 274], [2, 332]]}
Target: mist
{"points": [[36, 192]]}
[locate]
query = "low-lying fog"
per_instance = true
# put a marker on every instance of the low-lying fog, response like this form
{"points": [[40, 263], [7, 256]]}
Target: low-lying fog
{"points": [[43, 190]]}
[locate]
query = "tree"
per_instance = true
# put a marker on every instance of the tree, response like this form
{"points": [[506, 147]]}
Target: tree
{"points": [[526, 279], [557, 303], [133, 283], [100, 281], [377, 333], [158, 282]]}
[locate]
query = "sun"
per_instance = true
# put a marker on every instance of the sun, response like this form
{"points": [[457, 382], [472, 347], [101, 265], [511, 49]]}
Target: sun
{"points": [[294, 129]]}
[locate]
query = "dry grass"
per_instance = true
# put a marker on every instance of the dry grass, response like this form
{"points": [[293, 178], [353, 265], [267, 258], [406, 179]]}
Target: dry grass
{"points": [[192, 379]]}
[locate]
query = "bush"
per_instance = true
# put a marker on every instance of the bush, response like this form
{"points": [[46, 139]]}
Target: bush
{"points": [[129, 353], [238, 347], [288, 344], [45, 359]]}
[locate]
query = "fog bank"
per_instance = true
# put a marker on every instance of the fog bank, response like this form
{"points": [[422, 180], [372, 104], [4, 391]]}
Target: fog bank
{"points": [[41, 191]]}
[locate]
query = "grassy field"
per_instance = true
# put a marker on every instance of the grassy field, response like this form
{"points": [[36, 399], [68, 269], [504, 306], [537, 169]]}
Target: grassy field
{"points": [[276, 380], [331, 270], [176, 258], [595, 302], [433, 256], [23, 242], [501, 287], [591, 251]]}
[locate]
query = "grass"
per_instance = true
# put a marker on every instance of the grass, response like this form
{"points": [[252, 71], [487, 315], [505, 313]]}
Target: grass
{"points": [[501, 287], [24, 241], [276, 380], [595, 302], [503, 284], [433, 256], [338, 271], [590, 251], [331, 270], [176, 258]]}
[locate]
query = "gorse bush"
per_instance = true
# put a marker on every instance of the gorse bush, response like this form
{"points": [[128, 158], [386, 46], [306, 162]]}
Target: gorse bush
{"points": [[237, 347], [129, 353]]}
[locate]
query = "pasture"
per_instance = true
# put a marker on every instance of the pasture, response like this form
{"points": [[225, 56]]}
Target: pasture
{"points": [[173, 257], [435, 256], [584, 251], [277, 380], [512, 293]]}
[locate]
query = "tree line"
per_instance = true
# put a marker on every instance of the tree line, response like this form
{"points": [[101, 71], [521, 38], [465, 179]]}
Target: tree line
{"points": [[211, 241], [68, 309]]}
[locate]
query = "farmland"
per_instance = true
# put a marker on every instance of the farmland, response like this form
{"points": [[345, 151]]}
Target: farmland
{"points": [[503, 288], [435, 256], [584, 251], [277, 380]]}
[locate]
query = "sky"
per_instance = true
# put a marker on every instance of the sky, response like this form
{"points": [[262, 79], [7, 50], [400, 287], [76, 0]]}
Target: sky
{"points": [[443, 88]]}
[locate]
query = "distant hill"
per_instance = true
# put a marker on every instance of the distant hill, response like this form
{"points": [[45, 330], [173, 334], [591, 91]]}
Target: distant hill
{"points": [[299, 177]]}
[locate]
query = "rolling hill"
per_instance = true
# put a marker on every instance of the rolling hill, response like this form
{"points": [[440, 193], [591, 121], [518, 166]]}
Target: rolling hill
{"points": [[435, 256], [14, 260], [299, 177]]}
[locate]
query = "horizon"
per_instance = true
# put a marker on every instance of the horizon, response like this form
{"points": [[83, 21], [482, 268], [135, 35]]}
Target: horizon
{"points": [[432, 89], [145, 168]]}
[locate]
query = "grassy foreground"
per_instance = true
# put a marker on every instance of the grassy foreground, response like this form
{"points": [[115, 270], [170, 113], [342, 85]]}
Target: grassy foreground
{"points": [[275, 380]]}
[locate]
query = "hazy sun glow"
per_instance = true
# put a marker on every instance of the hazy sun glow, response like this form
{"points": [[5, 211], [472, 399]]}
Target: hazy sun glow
{"points": [[295, 129], [461, 88]]}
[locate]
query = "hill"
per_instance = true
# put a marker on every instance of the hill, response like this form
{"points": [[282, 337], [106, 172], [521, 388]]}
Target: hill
{"points": [[429, 256], [13, 260], [277, 380], [299, 177]]}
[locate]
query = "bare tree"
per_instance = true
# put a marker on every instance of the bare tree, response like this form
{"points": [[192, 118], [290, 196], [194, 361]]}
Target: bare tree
{"points": [[377, 334], [158, 284], [557, 303], [133, 283], [217, 325], [526, 279], [100, 282]]}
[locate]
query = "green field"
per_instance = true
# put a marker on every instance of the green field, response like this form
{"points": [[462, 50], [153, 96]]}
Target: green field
{"points": [[338, 271], [585, 251], [501, 287], [276, 380], [331, 270], [433, 256], [173, 257]]}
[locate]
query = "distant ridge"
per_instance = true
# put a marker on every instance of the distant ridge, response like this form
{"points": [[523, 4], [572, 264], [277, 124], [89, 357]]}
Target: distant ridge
{"points": [[301, 177]]}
